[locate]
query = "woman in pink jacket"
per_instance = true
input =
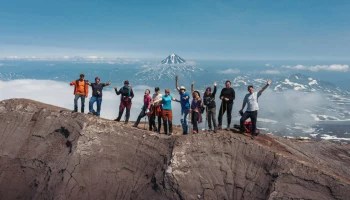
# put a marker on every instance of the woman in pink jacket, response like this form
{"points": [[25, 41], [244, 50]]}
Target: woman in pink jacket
{"points": [[147, 99]]}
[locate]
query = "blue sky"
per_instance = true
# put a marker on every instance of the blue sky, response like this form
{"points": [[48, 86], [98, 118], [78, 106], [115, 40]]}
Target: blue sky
{"points": [[202, 29]]}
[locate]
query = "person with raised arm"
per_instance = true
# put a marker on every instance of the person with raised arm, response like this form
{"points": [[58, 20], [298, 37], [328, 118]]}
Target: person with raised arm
{"points": [[251, 99], [81, 90], [125, 100], [185, 105], [227, 96], [97, 88], [209, 102]]}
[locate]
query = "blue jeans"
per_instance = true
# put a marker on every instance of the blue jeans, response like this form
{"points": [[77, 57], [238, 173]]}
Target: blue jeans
{"points": [[91, 105], [82, 98], [184, 114]]}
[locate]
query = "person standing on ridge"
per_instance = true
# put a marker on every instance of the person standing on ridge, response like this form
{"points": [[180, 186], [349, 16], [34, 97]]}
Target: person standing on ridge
{"points": [[125, 100], [227, 96], [185, 105], [145, 108], [252, 110], [156, 110], [196, 109], [81, 90], [167, 113], [209, 101], [97, 88]]}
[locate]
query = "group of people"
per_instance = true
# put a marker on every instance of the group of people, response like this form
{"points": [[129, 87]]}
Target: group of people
{"points": [[159, 107]]}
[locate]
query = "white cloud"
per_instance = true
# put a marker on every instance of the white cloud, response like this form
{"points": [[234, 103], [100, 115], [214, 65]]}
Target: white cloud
{"points": [[229, 71], [271, 72], [61, 94], [316, 68], [2, 64], [268, 65]]}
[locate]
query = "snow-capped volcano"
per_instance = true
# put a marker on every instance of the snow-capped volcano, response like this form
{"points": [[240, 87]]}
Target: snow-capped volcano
{"points": [[170, 67], [173, 59]]}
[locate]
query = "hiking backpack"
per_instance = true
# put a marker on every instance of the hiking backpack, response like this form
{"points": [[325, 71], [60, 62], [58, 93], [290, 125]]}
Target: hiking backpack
{"points": [[248, 128], [126, 88]]}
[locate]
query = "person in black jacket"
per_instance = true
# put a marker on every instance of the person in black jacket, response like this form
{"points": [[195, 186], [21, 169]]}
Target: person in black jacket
{"points": [[209, 101], [227, 96], [125, 100]]}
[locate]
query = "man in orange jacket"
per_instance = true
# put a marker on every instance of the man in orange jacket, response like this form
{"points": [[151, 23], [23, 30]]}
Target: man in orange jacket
{"points": [[81, 90]]}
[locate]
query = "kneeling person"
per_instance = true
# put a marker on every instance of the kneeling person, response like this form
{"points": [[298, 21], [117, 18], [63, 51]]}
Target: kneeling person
{"points": [[252, 110]]}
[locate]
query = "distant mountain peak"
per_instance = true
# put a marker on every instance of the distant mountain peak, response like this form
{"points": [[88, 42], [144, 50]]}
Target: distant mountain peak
{"points": [[173, 59]]}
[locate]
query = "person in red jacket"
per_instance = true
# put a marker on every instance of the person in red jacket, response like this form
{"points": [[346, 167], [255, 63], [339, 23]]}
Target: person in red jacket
{"points": [[81, 90]]}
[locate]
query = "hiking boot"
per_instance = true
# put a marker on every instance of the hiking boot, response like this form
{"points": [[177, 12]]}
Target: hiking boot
{"points": [[184, 133], [194, 132], [134, 125], [90, 113], [170, 133], [228, 128], [241, 131], [252, 137], [126, 122]]}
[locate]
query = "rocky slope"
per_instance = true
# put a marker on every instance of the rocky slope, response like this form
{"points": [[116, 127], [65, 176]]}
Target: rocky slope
{"points": [[48, 152]]}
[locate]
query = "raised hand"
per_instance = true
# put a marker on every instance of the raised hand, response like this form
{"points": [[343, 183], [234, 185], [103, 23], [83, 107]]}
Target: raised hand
{"points": [[109, 82], [268, 82], [214, 83], [193, 83], [116, 87], [176, 78]]}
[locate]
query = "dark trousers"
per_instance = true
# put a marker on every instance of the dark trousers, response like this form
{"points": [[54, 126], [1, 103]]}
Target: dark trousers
{"points": [[195, 116], [223, 108], [253, 115], [124, 104], [211, 116], [98, 100], [82, 99], [141, 115], [152, 120]]}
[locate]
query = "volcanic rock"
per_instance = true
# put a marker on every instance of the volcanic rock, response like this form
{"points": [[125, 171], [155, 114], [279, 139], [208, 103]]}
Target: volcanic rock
{"points": [[47, 152]]}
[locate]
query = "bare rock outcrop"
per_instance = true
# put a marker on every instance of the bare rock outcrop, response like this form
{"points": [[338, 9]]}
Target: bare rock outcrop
{"points": [[48, 152]]}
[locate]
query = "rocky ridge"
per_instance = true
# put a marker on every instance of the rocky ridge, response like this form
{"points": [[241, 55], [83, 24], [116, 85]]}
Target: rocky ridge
{"points": [[47, 152]]}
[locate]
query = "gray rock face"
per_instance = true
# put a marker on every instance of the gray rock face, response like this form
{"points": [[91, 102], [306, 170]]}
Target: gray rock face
{"points": [[48, 152]]}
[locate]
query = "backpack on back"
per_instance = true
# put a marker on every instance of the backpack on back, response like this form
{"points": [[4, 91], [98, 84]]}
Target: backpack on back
{"points": [[126, 89]]}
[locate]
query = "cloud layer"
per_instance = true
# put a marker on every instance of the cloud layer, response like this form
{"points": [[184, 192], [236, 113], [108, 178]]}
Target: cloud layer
{"points": [[61, 94], [316, 68], [229, 71], [271, 72]]}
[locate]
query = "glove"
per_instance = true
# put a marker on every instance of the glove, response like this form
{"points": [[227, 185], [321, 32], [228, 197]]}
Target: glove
{"points": [[147, 111], [241, 112]]}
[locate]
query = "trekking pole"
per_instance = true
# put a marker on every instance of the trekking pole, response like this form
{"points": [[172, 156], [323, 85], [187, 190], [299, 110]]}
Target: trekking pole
{"points": [[144, 125], [222, 111], [206, 118], [226, 116]]}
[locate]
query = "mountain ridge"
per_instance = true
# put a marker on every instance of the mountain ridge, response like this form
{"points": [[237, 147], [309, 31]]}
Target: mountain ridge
{"points": [[49, 152]]}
